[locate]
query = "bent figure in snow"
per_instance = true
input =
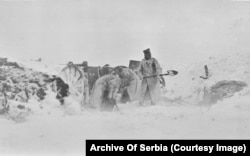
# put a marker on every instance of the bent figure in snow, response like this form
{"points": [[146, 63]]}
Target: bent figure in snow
{"points": [[149, 66], [104, 92], [130, 82]]}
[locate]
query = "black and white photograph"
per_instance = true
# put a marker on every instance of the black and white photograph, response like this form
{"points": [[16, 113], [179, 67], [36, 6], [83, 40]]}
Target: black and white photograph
{"points": [[73, 70]]}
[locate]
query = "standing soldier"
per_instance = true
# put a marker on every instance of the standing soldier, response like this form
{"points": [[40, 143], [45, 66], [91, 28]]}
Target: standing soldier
{"points": [[149, 66]]}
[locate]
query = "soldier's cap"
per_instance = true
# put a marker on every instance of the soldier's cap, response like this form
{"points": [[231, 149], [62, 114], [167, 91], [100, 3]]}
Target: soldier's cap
{"points": [[146, 50]]}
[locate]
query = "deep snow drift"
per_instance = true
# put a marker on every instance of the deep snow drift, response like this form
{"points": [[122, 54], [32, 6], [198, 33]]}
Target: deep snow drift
{"points": [[62, 130]]}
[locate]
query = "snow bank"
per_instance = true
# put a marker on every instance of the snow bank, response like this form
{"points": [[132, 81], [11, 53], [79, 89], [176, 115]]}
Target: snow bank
{"points": [[189, 87]]}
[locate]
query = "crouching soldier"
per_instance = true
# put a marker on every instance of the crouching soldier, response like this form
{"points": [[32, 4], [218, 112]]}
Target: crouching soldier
{"points": [[130, 82], [103, 94]]}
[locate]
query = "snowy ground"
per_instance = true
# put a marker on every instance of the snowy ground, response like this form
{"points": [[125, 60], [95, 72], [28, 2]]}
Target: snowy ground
{"points": [[63, 134]]}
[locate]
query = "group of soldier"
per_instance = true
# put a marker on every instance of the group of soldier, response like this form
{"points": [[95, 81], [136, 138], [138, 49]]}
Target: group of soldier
{"points": [[140, 84]]}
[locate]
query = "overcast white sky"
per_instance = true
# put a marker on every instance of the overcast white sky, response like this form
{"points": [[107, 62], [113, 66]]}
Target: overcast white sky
{"points": [[115, 31]]}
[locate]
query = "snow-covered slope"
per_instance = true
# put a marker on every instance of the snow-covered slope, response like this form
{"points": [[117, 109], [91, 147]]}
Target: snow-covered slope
{"points": [[189, 87], [44, 66]]}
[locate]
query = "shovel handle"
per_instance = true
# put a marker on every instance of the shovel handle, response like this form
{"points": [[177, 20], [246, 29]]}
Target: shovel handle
{"points": [[170, 72]]}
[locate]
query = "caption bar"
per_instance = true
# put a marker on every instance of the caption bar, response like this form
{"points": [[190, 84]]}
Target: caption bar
{"points": [[170, 147]]}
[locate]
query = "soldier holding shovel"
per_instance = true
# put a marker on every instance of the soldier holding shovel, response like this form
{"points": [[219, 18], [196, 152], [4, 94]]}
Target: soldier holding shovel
{"points": [[149, 66]]}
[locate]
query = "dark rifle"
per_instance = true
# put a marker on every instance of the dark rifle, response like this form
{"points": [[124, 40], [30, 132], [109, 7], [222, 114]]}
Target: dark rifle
{"points": [[170, 72]]}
